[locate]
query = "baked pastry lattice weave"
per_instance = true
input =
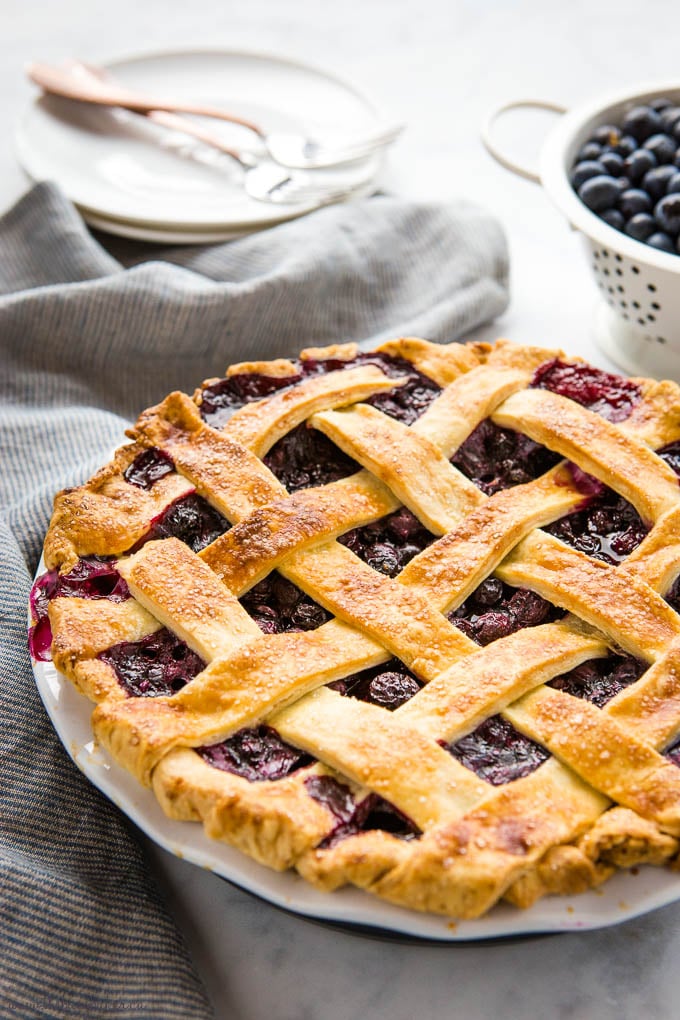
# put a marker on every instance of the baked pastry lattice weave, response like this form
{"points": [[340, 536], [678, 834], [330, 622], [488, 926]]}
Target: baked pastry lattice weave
{"points": [[405, 620]]}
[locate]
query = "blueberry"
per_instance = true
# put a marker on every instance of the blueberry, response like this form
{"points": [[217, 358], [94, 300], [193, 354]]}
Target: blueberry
{"points": [[669, 117], [612, 163], [488, 593], [308, 616], [493, 625], [638, 163], [667, 213], [633, 201], [391, 689], [600, 193], [675, 131], [661, 241], [659, 104], [407, 552], [528, 608], [268, 620], [656, 181], [625, 145], [641, 226], [673, 184], [383, 557], [591, 150], [586, 169], [641, 122], [663, 147], [614, 218], [607, 134]]}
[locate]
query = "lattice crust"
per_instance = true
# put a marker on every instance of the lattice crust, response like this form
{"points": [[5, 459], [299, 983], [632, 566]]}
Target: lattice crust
{"points": [[605, 798]]}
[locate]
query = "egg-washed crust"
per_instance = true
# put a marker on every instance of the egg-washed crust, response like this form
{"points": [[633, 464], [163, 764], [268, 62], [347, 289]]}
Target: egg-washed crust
{"points": [[605, 799]]}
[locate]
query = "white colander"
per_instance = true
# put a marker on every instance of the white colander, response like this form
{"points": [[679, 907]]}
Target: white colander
{"points": [[638, 318]]}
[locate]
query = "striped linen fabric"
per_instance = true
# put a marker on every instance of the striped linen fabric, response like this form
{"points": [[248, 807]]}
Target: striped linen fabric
{"points": [[86, 341]]}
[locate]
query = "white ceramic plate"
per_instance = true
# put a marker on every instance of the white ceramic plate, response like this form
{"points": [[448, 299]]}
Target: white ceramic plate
{"points": [[158, 235], [625, 896], [115, 165]]}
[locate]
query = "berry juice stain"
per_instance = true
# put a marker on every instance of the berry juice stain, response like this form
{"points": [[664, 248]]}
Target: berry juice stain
{"points": [[93, 577]]}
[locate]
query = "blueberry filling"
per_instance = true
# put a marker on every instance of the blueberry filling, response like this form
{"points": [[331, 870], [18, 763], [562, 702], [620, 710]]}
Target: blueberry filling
{"points": [[608, 529], [495, 458], [373, 812], [389, 685], [147, 467], [93, 577], [277, 605], [220, 399], [390, 543], [406, 403], [611, 396], [497, 752], [159, 664], [256, 754], [495, 610], [606, 526], [673, 753], [306, 457], [190, 519], [671, 454], [599, 680], [673, 596]]}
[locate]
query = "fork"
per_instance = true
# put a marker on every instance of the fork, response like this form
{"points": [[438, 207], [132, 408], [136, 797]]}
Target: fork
{"points": [[266, 181], [287, 148]]}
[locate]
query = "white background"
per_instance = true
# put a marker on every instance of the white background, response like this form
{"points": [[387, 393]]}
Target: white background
{"points": [[439, 66]]}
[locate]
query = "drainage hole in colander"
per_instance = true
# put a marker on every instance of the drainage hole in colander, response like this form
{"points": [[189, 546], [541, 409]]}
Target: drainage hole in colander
{"points": [[636, 304], [619, 258], [634, 269], [661, 340], [619, 272], [656, 306], [650, 286]]}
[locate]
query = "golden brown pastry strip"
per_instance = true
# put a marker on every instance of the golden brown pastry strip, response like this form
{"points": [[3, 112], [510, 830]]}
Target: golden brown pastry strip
{"points": [[375, 749], [607, 754], [618, 459], [258, 426], [183, 593]]}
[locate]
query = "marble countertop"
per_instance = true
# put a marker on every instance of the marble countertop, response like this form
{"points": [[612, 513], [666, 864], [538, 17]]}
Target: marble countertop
{"points": [[438, 65]]}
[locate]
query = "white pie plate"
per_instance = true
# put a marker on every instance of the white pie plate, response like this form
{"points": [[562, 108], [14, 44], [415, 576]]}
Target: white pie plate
{"points": [[625, 896], [117, 168]]}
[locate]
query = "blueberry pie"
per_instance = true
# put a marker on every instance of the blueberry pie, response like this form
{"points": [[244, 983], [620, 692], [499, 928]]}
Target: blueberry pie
{"points": [[406, 619]]}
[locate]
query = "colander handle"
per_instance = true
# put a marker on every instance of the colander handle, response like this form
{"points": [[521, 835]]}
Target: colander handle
{"points": [[490, 145]]}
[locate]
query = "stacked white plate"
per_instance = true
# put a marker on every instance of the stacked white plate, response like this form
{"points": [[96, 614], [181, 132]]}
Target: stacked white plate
{"points": [[129, 177]]}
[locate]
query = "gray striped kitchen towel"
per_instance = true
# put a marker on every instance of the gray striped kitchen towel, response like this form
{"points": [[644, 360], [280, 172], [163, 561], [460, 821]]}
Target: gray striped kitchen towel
{"points": [[88, 340]]}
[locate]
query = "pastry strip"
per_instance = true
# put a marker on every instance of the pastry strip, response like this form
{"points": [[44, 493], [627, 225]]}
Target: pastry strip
{"points": [[259, 425], [602, 449], [375, 749]]}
